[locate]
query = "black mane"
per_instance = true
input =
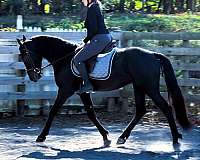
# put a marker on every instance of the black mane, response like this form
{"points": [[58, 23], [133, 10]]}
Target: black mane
{"points": [[52, 47], [53, 39]]}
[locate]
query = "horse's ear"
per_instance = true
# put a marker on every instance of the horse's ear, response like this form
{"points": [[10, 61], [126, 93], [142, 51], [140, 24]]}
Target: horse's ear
{"points": [[19, 42], [24, 38]]}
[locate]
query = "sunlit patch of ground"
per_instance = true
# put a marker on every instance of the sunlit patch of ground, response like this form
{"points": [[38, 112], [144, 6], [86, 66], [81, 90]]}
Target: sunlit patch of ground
{"points": [[79, 140]]}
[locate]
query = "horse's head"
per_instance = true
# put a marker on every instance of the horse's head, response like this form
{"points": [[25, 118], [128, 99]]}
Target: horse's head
{"points": [[32, 60]]}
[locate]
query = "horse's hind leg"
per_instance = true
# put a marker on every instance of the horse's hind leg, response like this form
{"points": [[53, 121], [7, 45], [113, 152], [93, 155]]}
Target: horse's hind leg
{"points": [[167, 110], [85, 97], [140, 112]]}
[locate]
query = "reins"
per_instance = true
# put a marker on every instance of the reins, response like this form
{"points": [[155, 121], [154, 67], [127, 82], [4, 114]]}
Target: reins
{"points": [[59, 59]]}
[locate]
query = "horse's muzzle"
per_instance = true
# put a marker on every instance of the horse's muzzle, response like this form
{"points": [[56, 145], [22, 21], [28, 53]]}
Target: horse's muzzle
{"points": [[34, 76]]}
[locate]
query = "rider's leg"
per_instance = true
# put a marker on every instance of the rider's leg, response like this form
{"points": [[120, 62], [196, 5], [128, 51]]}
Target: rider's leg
{"points": [[96, 45], [87, 86]]}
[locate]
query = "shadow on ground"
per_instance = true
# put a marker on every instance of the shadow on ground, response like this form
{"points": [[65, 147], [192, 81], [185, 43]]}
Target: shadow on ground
{"points": [[98, 153]]}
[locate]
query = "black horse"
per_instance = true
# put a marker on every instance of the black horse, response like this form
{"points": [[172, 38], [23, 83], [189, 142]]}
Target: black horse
{"points": [[130, 65]]}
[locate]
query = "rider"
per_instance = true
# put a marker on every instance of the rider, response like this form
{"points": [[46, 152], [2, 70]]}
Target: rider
{"points": [[96, 40]]}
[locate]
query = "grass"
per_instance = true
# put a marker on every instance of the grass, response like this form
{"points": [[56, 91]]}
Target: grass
{"points": [[127, 22], [155, 23]]}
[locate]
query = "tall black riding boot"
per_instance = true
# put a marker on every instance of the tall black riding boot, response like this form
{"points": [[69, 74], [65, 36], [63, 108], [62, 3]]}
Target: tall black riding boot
{"points": [[87, 86]]}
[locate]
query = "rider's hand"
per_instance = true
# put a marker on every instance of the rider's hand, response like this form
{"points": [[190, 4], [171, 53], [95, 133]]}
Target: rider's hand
{"points": [[85, 40]]}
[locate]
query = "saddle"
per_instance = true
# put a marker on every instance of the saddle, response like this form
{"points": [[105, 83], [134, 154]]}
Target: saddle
{"points": [[99, 66], [91, 62]]}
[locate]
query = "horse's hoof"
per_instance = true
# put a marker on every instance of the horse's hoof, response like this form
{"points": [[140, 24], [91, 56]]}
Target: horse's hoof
{"points": [[175, 139], [106, 143], [175, 142], [121, 141], [40, 139], [180, 136], [176, 147]]}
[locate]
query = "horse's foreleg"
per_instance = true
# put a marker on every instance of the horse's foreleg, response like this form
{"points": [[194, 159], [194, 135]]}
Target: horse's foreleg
{"points": [[60, 100], [85, 97], [140, 112]]}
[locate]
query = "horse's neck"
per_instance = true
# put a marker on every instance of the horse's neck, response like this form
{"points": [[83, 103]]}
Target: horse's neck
{"points": [[57, 52], [61, 59]]}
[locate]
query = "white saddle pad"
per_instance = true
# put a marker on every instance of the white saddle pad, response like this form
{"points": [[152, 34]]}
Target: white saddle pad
{"points": [[102, 68]]}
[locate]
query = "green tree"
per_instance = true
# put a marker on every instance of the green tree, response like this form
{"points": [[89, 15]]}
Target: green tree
{"points": [[66, 7], [121, 5]]}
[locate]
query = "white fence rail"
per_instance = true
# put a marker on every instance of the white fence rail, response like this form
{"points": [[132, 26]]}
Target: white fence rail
{"points": [[17, 91]]}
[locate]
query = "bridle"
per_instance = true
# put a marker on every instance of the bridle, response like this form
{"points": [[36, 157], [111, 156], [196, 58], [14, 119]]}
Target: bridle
{"points": [[27, 59], [35, 69]]}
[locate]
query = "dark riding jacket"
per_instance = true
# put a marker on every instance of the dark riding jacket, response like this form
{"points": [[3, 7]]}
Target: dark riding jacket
{"points": [[94, 22]]}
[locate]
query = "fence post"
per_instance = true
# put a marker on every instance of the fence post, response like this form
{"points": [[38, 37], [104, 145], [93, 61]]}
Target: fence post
{"points": [[19, 23], [125, 92], [111, 104], [20, 88], [186, 43], [124, 40], [125, 104], [186, 59]]}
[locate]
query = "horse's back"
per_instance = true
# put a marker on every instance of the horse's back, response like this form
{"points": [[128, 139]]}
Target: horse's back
{"points": [[140, 63], [137, 57]]}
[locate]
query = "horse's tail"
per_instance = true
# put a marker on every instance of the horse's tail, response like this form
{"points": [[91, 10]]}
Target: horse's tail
{"points": [[174, 91]]}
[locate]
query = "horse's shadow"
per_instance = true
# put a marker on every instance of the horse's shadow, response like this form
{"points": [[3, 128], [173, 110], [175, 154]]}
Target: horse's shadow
{"points": [[98, 154]]}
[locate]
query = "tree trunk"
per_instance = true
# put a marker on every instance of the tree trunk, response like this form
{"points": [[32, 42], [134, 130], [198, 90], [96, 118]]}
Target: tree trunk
{"points": [[83, 13], [160, 3], [190, 5], [55, 5], [71, 6], [121, 5], [0, 7], [180, 6], [132, 6], [143, 2], [168, 6], [41, 7]]}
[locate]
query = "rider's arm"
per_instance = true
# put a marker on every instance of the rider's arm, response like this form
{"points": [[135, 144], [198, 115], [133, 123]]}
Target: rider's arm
{"points": [[91, 22]]}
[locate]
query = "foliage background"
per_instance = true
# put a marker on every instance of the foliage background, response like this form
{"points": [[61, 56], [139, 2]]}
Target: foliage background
{"points": [[131, 15]]}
